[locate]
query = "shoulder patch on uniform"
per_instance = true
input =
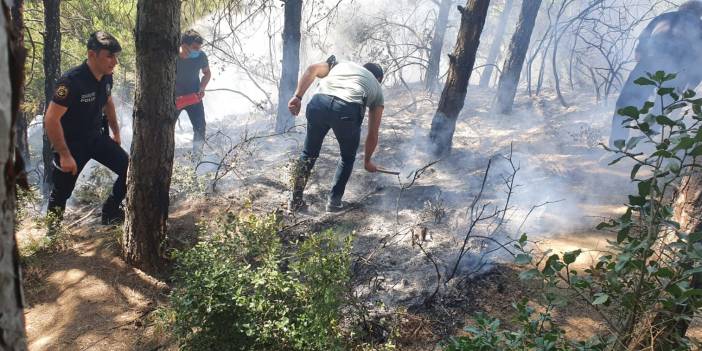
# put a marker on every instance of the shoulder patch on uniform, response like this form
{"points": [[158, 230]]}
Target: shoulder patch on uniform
{"points": [[61, 92]]}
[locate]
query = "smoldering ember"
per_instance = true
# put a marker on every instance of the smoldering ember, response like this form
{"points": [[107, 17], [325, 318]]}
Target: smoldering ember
{"points": [[351, 175]]}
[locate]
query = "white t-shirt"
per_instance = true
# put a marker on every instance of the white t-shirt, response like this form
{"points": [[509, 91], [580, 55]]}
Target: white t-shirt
{"points": [[352, 83]]}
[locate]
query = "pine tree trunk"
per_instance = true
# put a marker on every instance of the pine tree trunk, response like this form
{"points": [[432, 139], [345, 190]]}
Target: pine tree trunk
{"points": [[12, 332], [667, 326], [151, 160], [21, 122], [688, 212], [437, 43], [512, 68], [52, 72], [460, 67], [291, 63], [496, 44]]}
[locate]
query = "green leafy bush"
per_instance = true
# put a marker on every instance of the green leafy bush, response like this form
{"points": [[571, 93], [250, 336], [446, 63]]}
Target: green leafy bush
{"points": [[535, 331], [242, 290], [28, 205], [185, 182], [96, 188], [647, 287]]}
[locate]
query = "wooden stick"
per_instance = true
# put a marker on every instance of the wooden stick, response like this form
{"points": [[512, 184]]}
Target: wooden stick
{"points": [[388, 172]]}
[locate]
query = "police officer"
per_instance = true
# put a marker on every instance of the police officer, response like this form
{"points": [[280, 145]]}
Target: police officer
{"points": [[344, 93], [191, 61], [671, 42], [73, 123]]}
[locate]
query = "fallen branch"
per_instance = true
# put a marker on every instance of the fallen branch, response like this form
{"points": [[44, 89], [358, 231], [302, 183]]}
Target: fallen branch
{"points": [[225, 164], [415, 175], [428, 301]]}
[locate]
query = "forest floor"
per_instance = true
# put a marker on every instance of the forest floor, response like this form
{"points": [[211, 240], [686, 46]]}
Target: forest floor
{"points": [[80, 295]]}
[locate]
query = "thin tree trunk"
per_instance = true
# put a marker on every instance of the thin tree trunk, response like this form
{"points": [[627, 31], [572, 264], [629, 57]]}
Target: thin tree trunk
{"points": [[52, 72], [572, 56], [512, 69], [542, 68], [532, 58], [12, 330], [291, 63], [496, 44], [437, 43], [151, 161], [554, 54], [21, 122], [461, 64]]}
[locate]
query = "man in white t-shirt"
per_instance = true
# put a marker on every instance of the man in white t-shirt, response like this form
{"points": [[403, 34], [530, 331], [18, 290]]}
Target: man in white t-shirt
{"points": [[344, 93]]}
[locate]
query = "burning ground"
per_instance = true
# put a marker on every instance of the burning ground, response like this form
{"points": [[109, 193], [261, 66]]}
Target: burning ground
{"points": [[408, 230]]}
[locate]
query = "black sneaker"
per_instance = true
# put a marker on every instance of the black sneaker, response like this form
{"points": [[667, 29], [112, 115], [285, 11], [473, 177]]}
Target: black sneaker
{"points": [[112, 213], [334, 205]]}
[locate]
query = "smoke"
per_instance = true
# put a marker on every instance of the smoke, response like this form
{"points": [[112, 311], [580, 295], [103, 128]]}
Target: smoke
{"points": [[555, 147]]}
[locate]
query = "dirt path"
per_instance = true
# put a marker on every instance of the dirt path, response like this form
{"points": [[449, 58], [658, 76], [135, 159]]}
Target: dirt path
{"points": [[82, 296]]}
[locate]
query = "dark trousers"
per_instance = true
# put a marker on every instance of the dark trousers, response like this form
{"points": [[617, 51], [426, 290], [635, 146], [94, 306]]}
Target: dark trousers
{"points": [[326, 112], [196, 113], [101, 149]]}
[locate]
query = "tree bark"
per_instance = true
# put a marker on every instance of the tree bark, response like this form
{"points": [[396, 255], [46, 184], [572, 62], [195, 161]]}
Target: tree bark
{"points": [[291, 63], [52, 72], [437, 43], [512, 68], [496, 45], [668, 326], [460, 67], [12, 332], [151, 160], [688, 212], [21, 122]]}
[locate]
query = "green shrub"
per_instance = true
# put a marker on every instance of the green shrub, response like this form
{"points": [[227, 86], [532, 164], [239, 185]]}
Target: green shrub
{"points": [[28, 205], [646, 287], [186, 182], [242, 290], [535, 331], [96, 188]]}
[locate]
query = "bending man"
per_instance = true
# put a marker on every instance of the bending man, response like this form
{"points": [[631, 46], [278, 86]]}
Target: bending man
{"points": [[346, 89]]}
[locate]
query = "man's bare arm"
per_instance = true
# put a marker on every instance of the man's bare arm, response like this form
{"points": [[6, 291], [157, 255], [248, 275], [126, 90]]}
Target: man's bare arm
{"points": [[54, 130], [111, 113], [206, 76], [316, 70], [374, 116]]}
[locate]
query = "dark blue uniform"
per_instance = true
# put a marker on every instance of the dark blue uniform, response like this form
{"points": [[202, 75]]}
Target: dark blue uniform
{"points": [[85, 97]]}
